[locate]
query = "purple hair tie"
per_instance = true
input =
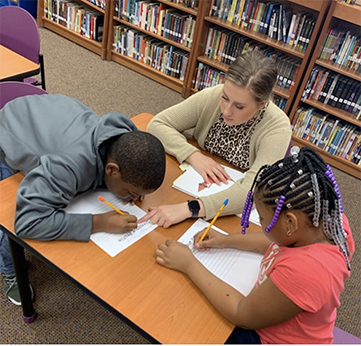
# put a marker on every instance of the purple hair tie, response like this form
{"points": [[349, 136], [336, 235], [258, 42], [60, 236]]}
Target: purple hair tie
{"points": [[330, 175], [276, 214]]}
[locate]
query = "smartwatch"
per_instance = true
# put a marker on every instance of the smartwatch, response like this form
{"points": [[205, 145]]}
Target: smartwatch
{"points": [[194, 207]]}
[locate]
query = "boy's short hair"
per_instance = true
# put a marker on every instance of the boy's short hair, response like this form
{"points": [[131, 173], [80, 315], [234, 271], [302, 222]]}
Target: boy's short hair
{"points": [[141, 159]]}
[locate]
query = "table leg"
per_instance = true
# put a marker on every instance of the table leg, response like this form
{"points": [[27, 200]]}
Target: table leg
{"points": [[17, 252]]}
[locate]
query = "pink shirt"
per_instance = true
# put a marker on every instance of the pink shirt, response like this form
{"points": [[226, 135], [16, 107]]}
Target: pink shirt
{"points": [[313, 278]]}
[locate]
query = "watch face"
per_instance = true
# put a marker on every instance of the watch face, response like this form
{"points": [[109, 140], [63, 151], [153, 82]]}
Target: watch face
{"points": [[194, 207]]}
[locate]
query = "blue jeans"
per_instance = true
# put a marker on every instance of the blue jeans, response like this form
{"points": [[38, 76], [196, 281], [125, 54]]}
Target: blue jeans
{"points": [[6, 262]]}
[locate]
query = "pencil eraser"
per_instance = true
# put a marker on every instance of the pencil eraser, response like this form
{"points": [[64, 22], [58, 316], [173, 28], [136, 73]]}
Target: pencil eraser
{"points": [[101, 198], [226, 201]]}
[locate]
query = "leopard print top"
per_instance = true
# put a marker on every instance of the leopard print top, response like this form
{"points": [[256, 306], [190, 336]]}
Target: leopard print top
{"points": [[232, 143]]}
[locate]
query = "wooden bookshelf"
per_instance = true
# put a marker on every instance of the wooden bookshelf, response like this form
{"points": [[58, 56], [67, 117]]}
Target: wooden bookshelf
{"points": [[95, 46], [144, 69], [316, 8], [326, 13], [344, 16]]}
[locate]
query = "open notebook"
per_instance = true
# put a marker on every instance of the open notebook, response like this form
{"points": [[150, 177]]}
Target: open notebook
{"points": [[192, 183]]}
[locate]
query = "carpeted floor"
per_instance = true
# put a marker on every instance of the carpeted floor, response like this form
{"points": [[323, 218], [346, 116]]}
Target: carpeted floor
{"points": [[67, 315]]}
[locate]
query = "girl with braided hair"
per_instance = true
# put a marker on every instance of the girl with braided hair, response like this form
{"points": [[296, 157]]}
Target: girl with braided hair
{"points": [[307, 246]]}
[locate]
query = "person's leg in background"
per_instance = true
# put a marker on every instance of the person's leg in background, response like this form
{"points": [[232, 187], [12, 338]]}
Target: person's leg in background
{"points": [[7, 271], [6, 263]]}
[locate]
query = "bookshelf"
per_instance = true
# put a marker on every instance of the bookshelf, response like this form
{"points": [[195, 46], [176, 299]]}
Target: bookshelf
{"points": [[325, 14], [49, 16], [134, 24], [341, 17], [316, 9]]}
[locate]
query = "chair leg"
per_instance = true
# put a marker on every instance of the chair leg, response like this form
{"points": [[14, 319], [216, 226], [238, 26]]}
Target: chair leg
{"points": [[42, 70]]}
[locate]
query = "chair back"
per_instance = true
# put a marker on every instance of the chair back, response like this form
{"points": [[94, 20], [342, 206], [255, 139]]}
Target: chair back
{"points": [[12, 90], [19, 32]]}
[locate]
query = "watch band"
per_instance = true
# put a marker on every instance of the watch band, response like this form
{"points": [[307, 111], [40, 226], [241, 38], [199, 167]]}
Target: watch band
{"points": [[194, 207]]}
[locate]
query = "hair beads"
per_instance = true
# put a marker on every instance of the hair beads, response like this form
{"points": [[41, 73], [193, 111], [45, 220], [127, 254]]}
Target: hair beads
{"points": [[301, 182], [276, 214], [246, 212], [330, 175]]}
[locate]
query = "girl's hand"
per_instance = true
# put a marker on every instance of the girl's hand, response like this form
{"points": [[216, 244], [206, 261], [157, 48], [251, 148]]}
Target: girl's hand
{"points": [[213, 239], [210, 170], [174, 255]]}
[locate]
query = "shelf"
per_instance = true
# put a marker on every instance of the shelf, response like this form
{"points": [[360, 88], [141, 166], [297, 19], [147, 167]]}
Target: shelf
{"points": [[160, 77], [281, 92], [161, 38], [335, 161], [348, 13], [339, 113], [311, 4], [95, 7], [257, 37], [180, 7], [214, 63], [339, 69]]}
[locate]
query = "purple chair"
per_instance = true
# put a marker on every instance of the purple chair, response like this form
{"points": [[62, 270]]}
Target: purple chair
{"points": [[343, 338], [12, 90], [20, 33]]}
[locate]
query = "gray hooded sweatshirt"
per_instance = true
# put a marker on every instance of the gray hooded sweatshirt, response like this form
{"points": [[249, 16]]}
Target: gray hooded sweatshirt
{"points": [[56, 141]]}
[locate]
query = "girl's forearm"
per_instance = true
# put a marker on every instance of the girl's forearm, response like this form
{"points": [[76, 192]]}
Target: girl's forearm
{"points": [[221, 295], [254, 242]]}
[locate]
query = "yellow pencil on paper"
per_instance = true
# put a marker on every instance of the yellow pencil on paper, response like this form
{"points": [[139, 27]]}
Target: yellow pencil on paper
{"points": [[214, 220], [110, 205]]}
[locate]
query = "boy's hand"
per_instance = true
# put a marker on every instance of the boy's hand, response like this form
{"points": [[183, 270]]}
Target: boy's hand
{"points": [[212, 239], [174, 255], [113, 222]]}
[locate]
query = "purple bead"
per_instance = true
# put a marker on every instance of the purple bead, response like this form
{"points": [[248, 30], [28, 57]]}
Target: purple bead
{"points": [[276, 214], [330, 175]]}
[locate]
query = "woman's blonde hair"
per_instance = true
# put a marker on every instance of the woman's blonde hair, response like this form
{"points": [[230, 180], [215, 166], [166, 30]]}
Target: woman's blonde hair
{"points": [[254, 71]]}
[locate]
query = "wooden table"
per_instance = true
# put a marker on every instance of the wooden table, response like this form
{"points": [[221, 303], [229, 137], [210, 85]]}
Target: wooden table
{"points": [[15, 67], [161, 304]]}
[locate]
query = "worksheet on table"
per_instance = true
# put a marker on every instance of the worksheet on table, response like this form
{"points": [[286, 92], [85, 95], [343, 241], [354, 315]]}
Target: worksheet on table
{"points": [[238, 268], [88, 203]]}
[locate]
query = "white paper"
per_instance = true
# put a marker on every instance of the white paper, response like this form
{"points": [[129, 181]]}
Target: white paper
{"points": [[237, 268], [112, 244], [192, 183]]}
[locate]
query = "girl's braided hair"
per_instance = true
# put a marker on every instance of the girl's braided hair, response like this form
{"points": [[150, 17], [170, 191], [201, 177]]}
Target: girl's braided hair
{"points": [[302, 182]]}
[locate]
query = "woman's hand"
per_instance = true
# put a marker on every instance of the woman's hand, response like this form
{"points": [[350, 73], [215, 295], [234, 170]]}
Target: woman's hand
{"points": [[213, 239], [210, 170], [174, 255], [167, 215]]}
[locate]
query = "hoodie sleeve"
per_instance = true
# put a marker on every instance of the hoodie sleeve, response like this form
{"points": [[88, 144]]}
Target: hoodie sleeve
{"points": [[41, 198]]}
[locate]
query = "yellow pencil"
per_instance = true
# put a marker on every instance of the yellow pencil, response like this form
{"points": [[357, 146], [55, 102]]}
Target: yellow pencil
{"points": [[214, 220], [110, 205]]}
